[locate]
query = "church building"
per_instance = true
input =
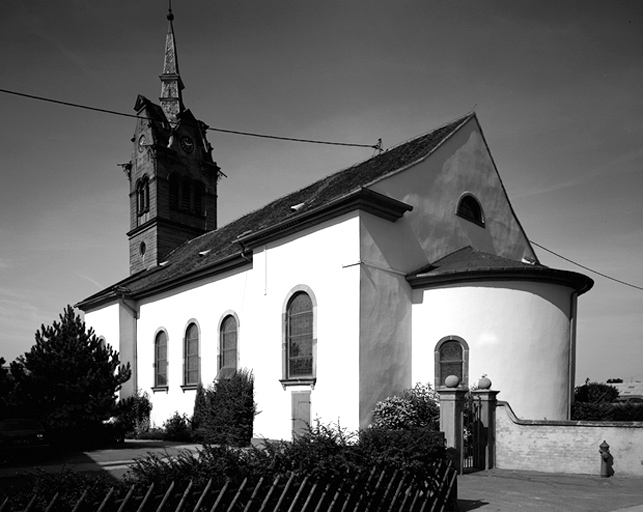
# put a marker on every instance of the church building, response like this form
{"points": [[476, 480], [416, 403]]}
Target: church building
{"points": [[408, 267]]}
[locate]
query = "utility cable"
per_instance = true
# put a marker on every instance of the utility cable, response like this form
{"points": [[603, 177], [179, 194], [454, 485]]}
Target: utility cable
{"points": [[377, 146], [587, 268]]}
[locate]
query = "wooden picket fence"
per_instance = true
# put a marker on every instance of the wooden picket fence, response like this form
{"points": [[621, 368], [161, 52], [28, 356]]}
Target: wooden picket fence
{"points": [[385, 490]]}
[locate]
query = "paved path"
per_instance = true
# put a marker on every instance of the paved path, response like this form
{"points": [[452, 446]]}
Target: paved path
{"points": [[511, 491], [114, 461]]}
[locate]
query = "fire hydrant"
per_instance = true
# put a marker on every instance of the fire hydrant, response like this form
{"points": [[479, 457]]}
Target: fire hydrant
{"points": [[606, 460]]}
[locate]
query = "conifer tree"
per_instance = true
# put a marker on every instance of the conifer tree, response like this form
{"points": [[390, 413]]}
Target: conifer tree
{"points": [[69, 378], [6, 386]]}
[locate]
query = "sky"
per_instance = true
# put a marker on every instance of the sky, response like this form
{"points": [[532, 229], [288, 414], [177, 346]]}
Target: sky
{"points": [[557, 88]]}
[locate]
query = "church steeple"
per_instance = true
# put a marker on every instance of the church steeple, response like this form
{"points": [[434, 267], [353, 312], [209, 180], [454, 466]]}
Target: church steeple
{"points": [[171, 83], [173, 179]]}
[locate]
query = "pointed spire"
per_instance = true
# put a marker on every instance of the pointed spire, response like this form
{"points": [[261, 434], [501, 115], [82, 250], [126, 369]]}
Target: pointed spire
{"points": [[171, 83]]}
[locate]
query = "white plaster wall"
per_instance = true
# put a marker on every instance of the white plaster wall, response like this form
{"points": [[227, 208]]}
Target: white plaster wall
{"points": [[434, 186], [518, 334], [385, 315], [104, 321], [315, 258]]}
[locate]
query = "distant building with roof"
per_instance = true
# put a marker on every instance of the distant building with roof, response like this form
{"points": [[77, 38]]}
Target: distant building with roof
{"points": [[407, 267], [629, 391]]}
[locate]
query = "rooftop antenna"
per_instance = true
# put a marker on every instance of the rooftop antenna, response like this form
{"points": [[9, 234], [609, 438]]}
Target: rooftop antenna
{"points": [[379, 148]]}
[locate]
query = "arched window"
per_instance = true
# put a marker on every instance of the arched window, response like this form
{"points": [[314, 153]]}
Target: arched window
{"points": [[299, 337], [160, 360], [228, 347], [199, 192], [186, 193], [452, 358], [143, 196], [175, 187], [191, 363], [469, 208], [102, 343]]}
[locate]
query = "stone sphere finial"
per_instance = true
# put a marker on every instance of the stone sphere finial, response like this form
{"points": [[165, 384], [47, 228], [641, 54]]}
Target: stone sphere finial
{"points": [[452, 381], [484, 382]]}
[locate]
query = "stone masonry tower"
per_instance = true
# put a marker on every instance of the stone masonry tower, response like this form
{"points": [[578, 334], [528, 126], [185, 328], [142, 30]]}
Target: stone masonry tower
{"points": [[173, 179]]}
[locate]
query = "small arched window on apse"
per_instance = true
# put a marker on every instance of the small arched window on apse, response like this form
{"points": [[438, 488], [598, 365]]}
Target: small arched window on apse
{"points": [[452, 358], [143, 195], [160, 360], [175, 190], [228, 347], [469, 208]]}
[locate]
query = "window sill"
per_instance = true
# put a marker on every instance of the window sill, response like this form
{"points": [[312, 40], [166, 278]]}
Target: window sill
{"points": [[303, 381], [477, 222], [160, 389], [189, 387]]}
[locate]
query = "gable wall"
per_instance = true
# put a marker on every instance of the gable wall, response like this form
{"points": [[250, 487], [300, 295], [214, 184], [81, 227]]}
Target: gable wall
{"points": [[434, 186]]}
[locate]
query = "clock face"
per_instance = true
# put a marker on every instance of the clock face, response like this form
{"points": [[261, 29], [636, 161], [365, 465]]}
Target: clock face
{"points": [[187, 144], [141, 143]]}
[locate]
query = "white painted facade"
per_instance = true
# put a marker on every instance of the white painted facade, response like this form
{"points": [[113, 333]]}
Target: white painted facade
{"points": [[519, 334], [375, 332], [257, 295]]}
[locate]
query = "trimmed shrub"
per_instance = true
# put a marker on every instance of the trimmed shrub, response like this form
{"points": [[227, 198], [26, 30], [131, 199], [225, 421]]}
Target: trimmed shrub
{"points": [[595, 393], [133, 414], [66, 483], [200, 411], [607, 412], [178, 428], [229, 411], [324, 451], [216, 462], [416, 408]]}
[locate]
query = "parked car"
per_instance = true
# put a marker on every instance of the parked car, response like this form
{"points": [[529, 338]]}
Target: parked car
{"points": [[630, 399], [20, 436]]}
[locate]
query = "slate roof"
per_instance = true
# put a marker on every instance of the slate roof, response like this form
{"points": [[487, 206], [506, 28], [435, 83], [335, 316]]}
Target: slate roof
{"points": [[222, 245], [469, 265]]}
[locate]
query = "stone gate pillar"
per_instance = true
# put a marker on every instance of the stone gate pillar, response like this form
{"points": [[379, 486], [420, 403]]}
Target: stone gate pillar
{"points": [[451, 421]]}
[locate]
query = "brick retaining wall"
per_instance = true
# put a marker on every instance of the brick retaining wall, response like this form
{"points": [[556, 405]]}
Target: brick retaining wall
{"points": [[566, 446]]}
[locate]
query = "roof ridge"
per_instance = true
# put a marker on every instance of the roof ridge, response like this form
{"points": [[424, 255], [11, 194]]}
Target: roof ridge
{"points": [[462, 118]]}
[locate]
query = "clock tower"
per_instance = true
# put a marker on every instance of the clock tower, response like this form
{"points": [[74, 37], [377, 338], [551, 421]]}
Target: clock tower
{"points": [[172, 177]]}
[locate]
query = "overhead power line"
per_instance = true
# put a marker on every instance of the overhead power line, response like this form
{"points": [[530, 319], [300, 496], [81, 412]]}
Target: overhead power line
{"points": [[377, 146], [587, 268]]}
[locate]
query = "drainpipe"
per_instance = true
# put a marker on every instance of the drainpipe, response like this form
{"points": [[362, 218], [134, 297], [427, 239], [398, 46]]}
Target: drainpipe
{"points": [[571, 370]]}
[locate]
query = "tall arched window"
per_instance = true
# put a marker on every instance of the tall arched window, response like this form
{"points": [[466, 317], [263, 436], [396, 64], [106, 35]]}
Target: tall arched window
{"points": [[299, 336], [186, 193], [452, 358], [469, 208], [143, 195], [191, 356], [228, 347], [199, 192], [160, 360], [175, 187]]}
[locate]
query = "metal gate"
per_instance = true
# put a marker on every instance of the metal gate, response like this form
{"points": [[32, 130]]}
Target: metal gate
{"points": [[474, 438]]}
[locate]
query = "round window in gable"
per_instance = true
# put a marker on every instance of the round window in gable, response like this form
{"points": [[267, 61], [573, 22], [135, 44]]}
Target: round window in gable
{"points": [[142, 248]]}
